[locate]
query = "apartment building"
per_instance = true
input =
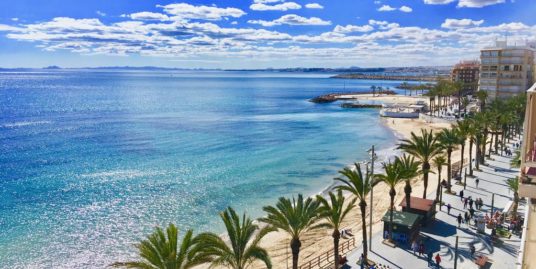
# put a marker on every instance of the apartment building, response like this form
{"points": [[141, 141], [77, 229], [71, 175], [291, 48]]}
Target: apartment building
{"points": [[466, 72], [527, 186], [505, 70]]}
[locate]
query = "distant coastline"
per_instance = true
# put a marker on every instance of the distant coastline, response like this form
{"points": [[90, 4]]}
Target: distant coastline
{"points": [[390, 76]]}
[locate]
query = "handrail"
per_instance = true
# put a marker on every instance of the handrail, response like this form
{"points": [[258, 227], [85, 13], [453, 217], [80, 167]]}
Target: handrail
{"points": [[326, 258]]}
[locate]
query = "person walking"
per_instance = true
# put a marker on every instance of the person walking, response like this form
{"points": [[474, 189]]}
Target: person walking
{"points": [[448, 208], [414, 246], [421, 249], [476, 182], [438, 260], [465, 201], [470, 202], [461, 195], [459, 218], [466, 218], [472, 212], [429, 258]]}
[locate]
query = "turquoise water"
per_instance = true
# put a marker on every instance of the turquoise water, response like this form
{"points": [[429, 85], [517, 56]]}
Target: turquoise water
{"points": [[91, 161]]}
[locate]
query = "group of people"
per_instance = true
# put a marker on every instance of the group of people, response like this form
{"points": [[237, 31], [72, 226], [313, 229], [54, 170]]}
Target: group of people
{"points": [[420, 249]]}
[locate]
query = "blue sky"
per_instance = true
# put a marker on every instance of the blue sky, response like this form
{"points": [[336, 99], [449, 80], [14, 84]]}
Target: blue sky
{"points": [[256, 33]]}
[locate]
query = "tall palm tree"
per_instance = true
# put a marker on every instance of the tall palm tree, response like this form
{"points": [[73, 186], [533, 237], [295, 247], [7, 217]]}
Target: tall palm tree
{"points": [[423, 147], [243, 248], [334, 212], [513, 185], [392, 177], [471, 135], [482, 96], [295, 217], [439, 162], [449, 141], [409, 169], [516, 161], [161, 250], [463, 129], [360, 185]]}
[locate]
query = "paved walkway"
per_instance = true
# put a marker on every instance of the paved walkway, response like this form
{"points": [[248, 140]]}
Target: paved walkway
{"points": [[440, 235]]}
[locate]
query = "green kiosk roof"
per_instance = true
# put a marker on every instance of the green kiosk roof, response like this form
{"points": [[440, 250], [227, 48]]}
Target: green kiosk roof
{"points": [[403, 218]]}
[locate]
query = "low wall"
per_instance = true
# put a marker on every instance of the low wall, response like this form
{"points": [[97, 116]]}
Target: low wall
{"points": [[432, 119]]}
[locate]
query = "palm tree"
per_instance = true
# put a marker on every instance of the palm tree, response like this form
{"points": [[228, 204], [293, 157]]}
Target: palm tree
{"points": [[373, 88], [392, 177], [423, 147], [161, 250], [449, 140], [471, 135], [359, 185], [513, 185], [409, 168], [439, 162], [463, 129], [482, 96], [243, 247], [334, 212], [295, 217]]}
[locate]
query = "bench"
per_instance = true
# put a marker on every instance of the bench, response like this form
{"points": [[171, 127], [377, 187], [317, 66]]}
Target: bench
{"points": [[481, 261]]}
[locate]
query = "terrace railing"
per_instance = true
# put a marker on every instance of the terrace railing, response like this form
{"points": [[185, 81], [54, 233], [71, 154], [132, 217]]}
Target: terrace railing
{"points": [[325, 260]]}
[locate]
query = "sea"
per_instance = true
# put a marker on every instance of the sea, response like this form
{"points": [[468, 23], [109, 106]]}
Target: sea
{"points": [[92, 160]]}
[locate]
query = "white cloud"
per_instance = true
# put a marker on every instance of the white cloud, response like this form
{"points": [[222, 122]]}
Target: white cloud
{"points": [[100, 13], [148, 16], [352, 29], [234, 23], [291, 19], [438, 2], [460, 23], [386, 8], [478, 3], [187, 11], [314, 6], [15, 19], [377, 2], [405, 9], [280, 7], [383, 25]]}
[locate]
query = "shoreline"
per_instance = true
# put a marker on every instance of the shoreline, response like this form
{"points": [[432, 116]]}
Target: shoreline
{"points": [[317, 242]]}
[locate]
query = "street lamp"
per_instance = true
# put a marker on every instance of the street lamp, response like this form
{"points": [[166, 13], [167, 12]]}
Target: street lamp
{"points": [[372, 158]]}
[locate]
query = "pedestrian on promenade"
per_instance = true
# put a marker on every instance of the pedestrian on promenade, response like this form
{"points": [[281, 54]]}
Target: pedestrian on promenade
{"points": [[414, 246], [448, 208], [421, 249], [477, 181], [438, 260], [459, 218], [465, 201], [472, 249], [466, 218], [472, 212], [470, 202], [429, 258], [461, 195]]}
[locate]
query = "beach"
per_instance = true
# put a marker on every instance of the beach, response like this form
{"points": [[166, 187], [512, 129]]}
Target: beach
{"points": [[318, 242]]}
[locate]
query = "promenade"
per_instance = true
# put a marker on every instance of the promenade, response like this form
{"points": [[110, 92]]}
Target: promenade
{"points": [[440, 235]]}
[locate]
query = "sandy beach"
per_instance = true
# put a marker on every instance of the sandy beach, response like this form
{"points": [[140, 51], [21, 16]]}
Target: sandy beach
{"points": [[318, 242]]}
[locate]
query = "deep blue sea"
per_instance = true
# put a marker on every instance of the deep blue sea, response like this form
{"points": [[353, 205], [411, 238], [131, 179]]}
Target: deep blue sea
{"points": [[91, 161]]}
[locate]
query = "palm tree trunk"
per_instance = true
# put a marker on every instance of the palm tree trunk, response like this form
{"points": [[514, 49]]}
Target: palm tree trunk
{"points": [[438, 184], [363, 207], [516, 203], [407, 190], [471, 157], [449, 168], [477, 157], [295, 245], [425, 169], [336, 238], [392, 193]]}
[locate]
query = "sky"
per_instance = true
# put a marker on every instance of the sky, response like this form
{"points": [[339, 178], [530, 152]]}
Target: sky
{"points": [[257, 33]]}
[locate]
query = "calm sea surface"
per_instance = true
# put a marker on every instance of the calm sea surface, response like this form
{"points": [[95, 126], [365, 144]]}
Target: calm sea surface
{"points": [[91, 161]]}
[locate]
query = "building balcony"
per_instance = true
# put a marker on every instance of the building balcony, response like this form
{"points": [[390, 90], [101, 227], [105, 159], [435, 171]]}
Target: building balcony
{"points": [[527, 184]]}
